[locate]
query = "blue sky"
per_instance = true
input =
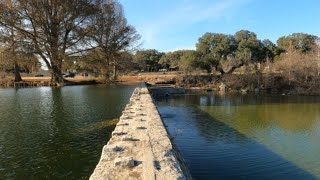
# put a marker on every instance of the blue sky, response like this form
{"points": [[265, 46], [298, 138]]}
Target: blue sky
{"points": [[168, 25]]}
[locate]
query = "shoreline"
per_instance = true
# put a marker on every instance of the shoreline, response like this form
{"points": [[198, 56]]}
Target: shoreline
{"points": [[233, 83]]}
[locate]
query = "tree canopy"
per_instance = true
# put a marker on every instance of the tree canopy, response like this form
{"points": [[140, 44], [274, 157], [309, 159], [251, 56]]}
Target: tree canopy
{"points": [[148, 60], [58, 29], [299, 41]]}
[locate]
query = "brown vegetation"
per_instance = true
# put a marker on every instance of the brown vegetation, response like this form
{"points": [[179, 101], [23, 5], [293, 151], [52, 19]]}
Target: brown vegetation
{"points": [[5, 80]]}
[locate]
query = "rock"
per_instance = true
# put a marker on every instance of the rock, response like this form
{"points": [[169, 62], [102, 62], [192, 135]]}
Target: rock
{"points": [[124, 162]]}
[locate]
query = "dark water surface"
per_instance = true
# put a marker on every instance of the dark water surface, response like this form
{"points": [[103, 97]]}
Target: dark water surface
{"points": [[57, 133], [245, 136]]}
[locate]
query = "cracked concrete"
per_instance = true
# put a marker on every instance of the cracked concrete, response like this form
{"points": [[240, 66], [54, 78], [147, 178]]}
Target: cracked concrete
{"points": [[140, 147]]}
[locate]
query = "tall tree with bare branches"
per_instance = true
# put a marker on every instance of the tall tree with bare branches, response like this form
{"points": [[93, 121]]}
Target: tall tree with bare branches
{"points": [[111, 34], [55, 28]]}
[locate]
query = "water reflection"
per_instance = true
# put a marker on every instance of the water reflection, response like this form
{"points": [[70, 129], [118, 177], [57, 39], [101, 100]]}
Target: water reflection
{"points": [[246, 136]]}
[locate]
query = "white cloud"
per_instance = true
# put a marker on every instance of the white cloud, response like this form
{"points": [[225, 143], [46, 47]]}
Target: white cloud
{"points": [[186, 47], [184, 15]]}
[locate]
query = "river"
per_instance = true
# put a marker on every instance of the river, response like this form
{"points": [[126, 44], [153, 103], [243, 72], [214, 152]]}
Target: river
{"points": [[57, 133], [245, 136]]}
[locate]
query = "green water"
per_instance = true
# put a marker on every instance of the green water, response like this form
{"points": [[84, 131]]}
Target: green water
{"points": [[246, 136], [291, 130], [57, 133]]}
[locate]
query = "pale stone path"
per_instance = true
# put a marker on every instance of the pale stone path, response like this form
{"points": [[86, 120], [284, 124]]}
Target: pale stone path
{"points": [[140, 147]]}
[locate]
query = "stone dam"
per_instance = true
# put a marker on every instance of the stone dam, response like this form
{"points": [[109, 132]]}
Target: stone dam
{"points": [[140, 147]]}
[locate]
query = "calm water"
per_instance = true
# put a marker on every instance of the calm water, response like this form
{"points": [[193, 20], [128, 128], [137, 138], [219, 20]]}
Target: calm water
{"points": [[51, 133], [246, 137]]}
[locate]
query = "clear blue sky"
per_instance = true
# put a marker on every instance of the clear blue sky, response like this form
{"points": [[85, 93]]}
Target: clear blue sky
{"points": [[168, 25]]}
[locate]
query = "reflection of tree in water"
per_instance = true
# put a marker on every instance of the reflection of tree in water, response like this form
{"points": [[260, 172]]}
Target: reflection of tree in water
{"points": [[287, 125], [249, 113]]}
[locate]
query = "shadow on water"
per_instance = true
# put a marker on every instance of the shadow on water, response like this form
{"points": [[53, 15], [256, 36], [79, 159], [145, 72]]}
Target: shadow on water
{"points": [[215, 150], [235, 99]]}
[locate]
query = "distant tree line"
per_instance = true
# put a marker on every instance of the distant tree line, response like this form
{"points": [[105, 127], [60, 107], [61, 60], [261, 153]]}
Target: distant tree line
{"points": [[225, 53]]}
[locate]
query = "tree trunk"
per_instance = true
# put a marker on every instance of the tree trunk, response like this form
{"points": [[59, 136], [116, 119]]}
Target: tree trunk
{"points": [[106, 77], [56, 76], [114, 71], [231, 70], [17, 75]]}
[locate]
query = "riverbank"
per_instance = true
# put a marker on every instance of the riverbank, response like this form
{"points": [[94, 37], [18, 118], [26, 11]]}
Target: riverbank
{"points": [[45, 81], [243, 83], [271, 83]]}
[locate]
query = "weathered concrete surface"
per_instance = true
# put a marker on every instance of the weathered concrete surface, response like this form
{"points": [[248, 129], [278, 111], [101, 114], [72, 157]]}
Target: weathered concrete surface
{"points": [[140, 147]]}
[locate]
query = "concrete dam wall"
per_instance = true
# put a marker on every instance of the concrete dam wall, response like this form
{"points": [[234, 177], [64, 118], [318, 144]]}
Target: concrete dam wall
{"points": [[140, 146]]}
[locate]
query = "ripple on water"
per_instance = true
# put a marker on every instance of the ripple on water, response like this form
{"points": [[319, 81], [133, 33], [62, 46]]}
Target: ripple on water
{"points": [[42, 132]]}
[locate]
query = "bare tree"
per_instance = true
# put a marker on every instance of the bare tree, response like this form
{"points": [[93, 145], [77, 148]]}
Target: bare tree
{"points": [[15, 51], [55, 28], [111, 34]]}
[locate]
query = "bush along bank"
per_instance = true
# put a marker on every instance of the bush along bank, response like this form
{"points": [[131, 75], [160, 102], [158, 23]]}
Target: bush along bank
{"points": [[273, 83]]}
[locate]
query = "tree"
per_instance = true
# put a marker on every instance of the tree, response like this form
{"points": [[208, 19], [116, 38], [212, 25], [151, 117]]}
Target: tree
{"points": [[125, 62], [189, 60], [148, 59], [172, 59], [18, 62], [111, 34], [16, 53], [250, 49], [270, 50], [55, 29], [214, 49], [299, 41]]}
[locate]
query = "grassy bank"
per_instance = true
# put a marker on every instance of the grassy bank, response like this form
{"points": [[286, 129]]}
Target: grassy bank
{"points": [[274, 83]]}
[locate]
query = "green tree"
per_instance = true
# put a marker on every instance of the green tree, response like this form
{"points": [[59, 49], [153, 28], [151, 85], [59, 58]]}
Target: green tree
{"points": [[172, 59], [148, 60], [270, 50], [215, 48], [298, 41], [249, 49], [189, 61]]}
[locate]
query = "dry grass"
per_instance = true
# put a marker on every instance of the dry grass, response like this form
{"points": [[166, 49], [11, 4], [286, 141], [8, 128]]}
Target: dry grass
{"points": [[36, 79], [149, 77], [300, 72], [5, 80]]}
